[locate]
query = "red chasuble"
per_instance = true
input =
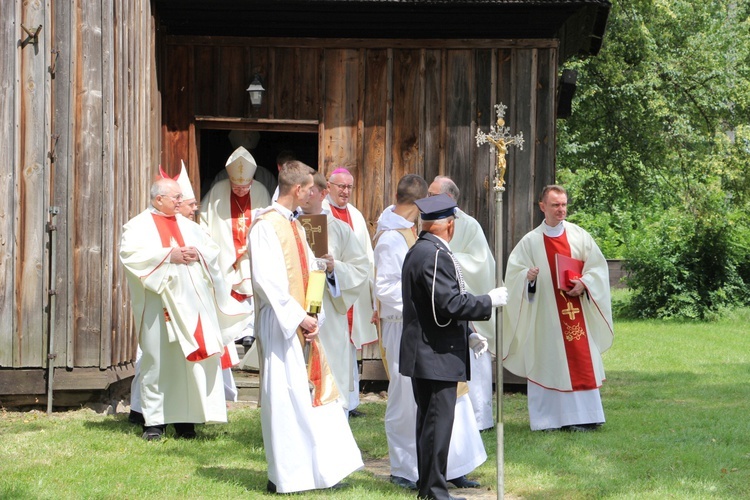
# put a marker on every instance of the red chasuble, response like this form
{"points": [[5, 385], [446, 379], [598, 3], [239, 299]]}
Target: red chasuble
{"points": [[169, 232], [572, 323], [342, 214], [241, 218]]}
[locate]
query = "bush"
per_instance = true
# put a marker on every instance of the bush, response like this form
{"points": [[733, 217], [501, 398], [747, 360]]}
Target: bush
{"points": [[688, 263]]}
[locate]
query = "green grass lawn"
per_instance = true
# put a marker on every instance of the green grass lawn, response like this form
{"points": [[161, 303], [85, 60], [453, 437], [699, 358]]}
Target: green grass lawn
{"points": [[677, 402]]}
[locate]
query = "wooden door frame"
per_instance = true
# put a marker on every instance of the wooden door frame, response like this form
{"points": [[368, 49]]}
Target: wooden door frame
{"points": [[202, 122]]}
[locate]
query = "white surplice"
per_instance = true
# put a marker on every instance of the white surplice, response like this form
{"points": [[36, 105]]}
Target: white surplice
{"points": [[306, 447], [466, 450], [363, 331], [173, 389], [533, 344], [352, 278], [470, 248]]}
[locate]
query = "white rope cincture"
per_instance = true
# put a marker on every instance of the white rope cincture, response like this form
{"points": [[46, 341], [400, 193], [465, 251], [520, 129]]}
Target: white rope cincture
{"points": [[459, 278]]}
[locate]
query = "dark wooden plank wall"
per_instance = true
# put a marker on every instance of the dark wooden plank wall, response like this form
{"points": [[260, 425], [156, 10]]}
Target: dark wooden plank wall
{"points": [[376, 137], [386, 108], [87, 114]]}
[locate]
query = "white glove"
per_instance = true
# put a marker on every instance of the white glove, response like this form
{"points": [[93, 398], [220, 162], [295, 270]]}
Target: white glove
{"points": [[499, 296], [478, 344]]}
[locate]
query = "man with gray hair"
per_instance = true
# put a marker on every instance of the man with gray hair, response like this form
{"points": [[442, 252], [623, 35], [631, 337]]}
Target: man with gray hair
{"points": [[473, 253], [184, 315]]}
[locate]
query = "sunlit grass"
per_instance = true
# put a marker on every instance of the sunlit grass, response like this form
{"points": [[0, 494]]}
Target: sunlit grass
{"points": [[676, 399]]}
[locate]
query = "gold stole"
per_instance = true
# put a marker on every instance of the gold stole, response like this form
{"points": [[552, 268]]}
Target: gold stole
{"points": [[318, 371]]}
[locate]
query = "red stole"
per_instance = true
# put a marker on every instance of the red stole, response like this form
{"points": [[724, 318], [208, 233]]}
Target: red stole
{"points": [[169, 232], [572, 323], [342, 214], [241, 212]]}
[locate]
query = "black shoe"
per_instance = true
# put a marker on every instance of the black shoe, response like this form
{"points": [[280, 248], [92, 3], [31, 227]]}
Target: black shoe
{"points": [[339, 486], [356, 413], [185, 431], [136, 417], [270, 487], [580, 427], [247, 342], [404, 483], [464, 482], [153, 432]]}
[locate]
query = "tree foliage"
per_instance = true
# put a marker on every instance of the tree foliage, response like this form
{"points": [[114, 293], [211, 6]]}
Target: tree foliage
{"points": [[657, 150]]}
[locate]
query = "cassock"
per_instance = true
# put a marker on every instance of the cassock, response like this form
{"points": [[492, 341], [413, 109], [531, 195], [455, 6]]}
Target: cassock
{"points": [[552, 339], [184, 319], [395, 235], [470, 248], [307, 447], [352, 279], [363, 332]]}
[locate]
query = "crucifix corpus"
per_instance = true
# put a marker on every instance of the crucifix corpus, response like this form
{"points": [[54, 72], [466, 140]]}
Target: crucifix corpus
{"points": [[501, 138]]}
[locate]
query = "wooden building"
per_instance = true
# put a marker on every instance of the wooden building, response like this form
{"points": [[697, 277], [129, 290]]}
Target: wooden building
{"points": [[96, 93]]}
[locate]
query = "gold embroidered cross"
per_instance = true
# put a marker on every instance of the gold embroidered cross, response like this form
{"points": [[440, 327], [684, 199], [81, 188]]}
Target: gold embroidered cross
{"points": [[571, 311]]}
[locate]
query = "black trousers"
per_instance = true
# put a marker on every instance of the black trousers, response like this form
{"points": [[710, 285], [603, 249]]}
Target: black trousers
{"points": [[436, 406]]}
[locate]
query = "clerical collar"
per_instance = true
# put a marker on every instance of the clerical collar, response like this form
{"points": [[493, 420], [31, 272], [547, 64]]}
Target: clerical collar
{"points": [[554, 231], [330, 202], [289, 214], [323, 211], [154, 211]]}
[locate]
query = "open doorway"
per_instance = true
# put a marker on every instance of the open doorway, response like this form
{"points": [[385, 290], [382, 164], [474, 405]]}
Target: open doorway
{"points": [[217, 145]]}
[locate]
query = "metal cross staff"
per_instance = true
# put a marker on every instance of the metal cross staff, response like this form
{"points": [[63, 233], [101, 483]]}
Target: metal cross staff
{"points": [[501, 138]]}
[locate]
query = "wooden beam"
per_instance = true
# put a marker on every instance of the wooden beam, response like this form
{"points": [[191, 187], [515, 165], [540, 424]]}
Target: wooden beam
{"points": [[264, 124], [22, 382], [365, 43]]}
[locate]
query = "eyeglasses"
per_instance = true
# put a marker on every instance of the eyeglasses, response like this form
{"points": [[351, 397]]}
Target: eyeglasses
{"points": [[175, 198], [343, 187]]}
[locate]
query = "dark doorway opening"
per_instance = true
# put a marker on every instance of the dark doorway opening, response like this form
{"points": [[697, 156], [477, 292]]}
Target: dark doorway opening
{"points": [[217, 145]]}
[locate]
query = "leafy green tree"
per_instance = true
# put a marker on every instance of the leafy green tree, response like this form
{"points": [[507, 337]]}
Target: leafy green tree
{"points": [[656, 152]]}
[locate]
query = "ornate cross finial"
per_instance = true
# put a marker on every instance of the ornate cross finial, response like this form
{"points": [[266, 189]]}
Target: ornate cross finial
{"points": [[500, 137]]}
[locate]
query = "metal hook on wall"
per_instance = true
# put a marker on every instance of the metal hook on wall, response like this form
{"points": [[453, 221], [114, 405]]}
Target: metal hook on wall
{"points": [[31, 36]]}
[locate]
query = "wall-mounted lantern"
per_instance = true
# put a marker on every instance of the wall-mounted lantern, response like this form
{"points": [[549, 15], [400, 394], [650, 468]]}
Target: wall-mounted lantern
{"points": [[256, 91]]}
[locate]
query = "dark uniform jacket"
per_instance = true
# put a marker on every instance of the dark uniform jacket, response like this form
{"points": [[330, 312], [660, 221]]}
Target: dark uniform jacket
{"points": [[429, 350]]}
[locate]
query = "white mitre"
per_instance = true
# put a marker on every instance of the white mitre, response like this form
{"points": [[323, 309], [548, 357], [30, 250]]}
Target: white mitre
{"points": [[184, 181], [241, 167]]}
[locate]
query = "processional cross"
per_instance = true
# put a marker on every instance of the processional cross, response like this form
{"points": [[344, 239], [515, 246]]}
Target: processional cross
{"points": [[501, 138]]}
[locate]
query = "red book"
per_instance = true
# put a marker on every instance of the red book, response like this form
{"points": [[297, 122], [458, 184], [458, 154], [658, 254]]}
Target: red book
{"points": [[568, 269]]}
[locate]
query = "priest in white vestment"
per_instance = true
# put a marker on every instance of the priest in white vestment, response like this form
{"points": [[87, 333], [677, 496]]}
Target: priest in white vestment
{"points": [[361, 326], [184, 316], [187, 208], [396, 233], [470, 247], [555, 335], [351, 275], [226, 213], [307, 439]]}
